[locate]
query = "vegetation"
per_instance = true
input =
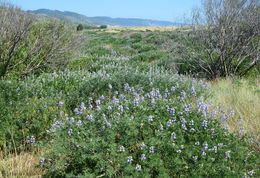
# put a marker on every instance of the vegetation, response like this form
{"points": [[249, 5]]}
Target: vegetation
{"points": [[224, 40], [30, 47], [122, 108]]}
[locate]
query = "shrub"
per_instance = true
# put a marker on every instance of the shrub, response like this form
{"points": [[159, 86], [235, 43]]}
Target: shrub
{"points": [[144, 134], [103, 26], [224, 40], [137, 37], [28, 46], [80, 27]]}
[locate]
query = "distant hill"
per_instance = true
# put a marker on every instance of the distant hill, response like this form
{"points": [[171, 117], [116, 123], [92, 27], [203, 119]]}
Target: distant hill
{"points": [[75, 18]]}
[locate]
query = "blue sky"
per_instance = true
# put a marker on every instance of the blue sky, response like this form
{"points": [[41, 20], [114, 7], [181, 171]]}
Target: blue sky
{"points": [[171, 10]]}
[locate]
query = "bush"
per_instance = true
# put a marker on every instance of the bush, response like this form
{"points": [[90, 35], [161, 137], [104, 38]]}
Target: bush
{"points": [[80, 27], [144, 134], [137, 37], [103, 26], [228, 45], [28, 46]]}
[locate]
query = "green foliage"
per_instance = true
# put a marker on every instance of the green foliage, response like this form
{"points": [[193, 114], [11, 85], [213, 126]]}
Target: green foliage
{"points": [[124, 135], [80, 27], [137, 37], [122, 81], [103, 26]]}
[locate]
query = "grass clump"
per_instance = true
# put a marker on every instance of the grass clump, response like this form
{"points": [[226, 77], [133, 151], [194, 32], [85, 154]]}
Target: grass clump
{"points": [[243, 97]]}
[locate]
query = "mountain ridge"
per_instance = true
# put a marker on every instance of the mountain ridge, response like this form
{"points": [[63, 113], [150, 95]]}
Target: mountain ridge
{"points": [[76, 18]]}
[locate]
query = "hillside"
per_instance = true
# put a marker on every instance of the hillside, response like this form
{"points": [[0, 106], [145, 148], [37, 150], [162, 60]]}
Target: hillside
{"points": [[72, 17]]}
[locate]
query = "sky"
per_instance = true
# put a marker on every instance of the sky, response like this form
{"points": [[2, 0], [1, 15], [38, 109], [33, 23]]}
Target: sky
{"points": [[170, 10]]}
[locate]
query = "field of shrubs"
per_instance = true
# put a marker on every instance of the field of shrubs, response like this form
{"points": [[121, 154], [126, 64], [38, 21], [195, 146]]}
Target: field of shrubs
{"points": [[120, 109]]}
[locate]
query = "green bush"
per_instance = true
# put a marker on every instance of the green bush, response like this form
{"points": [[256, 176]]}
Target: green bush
{"points": [[144, 134], [137, 37], [103, 26], [80, 27]]}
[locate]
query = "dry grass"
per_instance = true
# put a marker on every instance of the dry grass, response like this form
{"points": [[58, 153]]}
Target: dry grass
{"points": [[115, 29], [242, 96], [22, 165]]}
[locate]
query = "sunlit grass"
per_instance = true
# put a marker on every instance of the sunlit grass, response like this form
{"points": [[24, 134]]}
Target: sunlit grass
{"points": [[243, 97], [19, 165]]}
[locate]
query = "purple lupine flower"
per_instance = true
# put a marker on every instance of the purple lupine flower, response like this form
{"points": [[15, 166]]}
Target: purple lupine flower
{"points": [[142, 145], [61, 113], [193, 92], [197, 143], [126, 87], [109, 108], [173, 135], [250, 140], [169, 123], [191, 123], [101, 98], [98, 108], [98, 102], [108, 124], [212, 131], [76, 111], [42, 161], [70, 132], [194, 158], [206, 146], [115, 100], [227, 155], [79, 123], [31, 140], [129, 159], [183, 95], [172, 111], [192, 130], [150, 119], [178, 151], [90, 118], [203, 153], [82, 106], [151, 149], [184, 127], [215, 148], [121, 108], [241, 132], [110, 86], [10, 145], [250, 173], [122, 149], [72, 120], [153, 102], [136, 102], [143, 157], [61, 103], [166, 93], [138, 167], [90, 100], [205, 124], [161, 127], [220, 145]]}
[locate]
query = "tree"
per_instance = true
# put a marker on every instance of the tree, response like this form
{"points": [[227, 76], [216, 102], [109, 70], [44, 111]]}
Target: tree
{"points": [[225, 38], [80, 27]]}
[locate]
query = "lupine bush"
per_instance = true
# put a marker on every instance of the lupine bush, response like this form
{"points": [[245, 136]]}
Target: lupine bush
{"points": [[140, 133]]}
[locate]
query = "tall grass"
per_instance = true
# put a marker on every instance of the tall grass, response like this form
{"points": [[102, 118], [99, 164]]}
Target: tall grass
{"points": [[243, 97], [19, 165]]}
